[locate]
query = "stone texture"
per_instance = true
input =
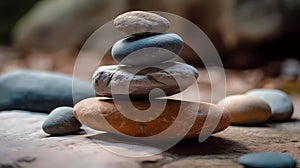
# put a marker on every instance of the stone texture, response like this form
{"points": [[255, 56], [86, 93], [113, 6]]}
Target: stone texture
{"points": [[61, 121], [28, 146], [246, 109], [274, 160], [40, 91], [147, 49], [172, 78], [103, 114], [280, 103], [137, 22]]}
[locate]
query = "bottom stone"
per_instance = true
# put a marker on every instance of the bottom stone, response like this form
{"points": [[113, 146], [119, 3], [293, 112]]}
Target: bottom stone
{"points": [[176, 119]]}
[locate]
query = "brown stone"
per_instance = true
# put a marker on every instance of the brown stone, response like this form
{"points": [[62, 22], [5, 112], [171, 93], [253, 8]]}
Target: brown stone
{"points": [[94, 112], [246, 109]]}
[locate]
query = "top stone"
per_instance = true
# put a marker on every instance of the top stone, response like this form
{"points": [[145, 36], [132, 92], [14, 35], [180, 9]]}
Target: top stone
{"points": [[138, 22]]}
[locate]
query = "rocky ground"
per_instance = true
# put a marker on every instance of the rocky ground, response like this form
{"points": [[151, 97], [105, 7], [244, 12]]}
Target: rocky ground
{"points": [[24, 144]]}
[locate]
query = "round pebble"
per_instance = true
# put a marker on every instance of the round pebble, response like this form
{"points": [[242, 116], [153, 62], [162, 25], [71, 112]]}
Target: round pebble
{"points": [[136, 22], [267, 160], [61, 121], [246, 109], [147, 49], [280, 103], [171, 77], [102, 114]]}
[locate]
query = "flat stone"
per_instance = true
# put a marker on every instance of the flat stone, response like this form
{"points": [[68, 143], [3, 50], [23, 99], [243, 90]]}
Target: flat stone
{"points": [[103, 114], [136, 22], [266, 160], [61, 121], [147, 49], [40, 91], [118, 80], [280, 103], [246, 109]]}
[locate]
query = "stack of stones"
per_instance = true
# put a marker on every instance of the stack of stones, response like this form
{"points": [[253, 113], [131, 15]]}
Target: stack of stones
{"points": [[144, 63]]}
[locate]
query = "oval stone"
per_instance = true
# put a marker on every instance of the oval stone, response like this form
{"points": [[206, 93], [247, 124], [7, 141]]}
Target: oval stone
{"points": [[246, 109], [171, 77], [266, 160], [61, 121], [40, 91], [102, 114], [280, 103], [147, 49], [136, 22]]}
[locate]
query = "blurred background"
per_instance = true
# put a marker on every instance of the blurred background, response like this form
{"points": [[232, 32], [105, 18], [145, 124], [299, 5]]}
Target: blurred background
{"points": [[256, 39]]}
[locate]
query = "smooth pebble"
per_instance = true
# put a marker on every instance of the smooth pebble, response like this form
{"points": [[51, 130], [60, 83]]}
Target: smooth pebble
{"points": [[280, 103], [246, 109], [61, 121], [267, 160], [137, 22]]}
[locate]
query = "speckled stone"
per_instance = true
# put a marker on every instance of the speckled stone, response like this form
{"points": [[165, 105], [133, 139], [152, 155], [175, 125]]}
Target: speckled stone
{"points": [[267, 160], [147, 49], [280, 103], [61, 121], [171, 77], [245, 109], [137, 22]]}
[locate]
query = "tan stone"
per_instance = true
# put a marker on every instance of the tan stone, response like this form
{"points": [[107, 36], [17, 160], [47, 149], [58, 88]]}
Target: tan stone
{"points": [[136, 22], [102, 114], [246, 109]]}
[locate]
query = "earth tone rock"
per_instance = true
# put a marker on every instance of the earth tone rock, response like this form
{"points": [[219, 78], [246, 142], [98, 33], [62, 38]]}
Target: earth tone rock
{"points": [[280, 103], [246, 109], [61, 121], [149, 49], [102, 114], [172, 78], [137, 22]]}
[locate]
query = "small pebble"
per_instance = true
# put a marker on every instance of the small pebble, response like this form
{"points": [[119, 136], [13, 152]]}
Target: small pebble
{"points": [[137, 22], [61, 121], [147, 49], [280, 103], [246, 109], [267, 160]]}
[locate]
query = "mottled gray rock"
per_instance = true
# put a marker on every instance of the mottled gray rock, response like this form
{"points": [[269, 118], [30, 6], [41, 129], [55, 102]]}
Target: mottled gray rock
{"points": [[280, 103], [40, 91], [61, 121], [136, 22], [149, 49], [171, 77]]}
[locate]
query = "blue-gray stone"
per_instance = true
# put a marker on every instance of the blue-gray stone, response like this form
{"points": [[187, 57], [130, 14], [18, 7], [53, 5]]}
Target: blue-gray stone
{"points": [[267, 160], [61, 121], [280, 103], [147, 49], [40, 91]]}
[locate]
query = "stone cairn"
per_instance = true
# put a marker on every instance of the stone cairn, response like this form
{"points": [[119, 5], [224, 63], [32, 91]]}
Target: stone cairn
{"points": [[145, 69]]}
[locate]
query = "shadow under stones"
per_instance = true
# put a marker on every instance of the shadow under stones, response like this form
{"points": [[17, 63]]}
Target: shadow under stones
{"points": [[213, 145]]}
